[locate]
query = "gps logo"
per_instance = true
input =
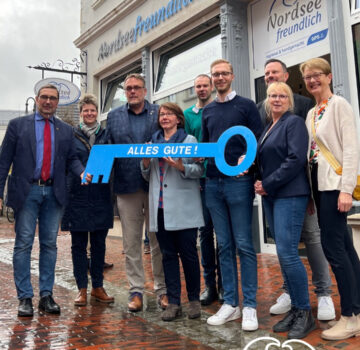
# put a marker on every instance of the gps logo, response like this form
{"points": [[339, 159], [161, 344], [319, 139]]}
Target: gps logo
{"points": [[287, 3]]}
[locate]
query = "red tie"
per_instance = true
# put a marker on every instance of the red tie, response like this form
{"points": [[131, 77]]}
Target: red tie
{"points": [[45, 170]]}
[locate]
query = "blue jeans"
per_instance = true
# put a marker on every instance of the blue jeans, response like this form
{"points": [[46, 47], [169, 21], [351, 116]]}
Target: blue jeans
{"points": [[40, 204], [230, 202], [285, 217], [310, 235], [79, 241], [209, 250]]}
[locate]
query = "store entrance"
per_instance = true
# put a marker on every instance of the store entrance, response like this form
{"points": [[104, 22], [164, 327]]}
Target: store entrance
{"points": [[295, 81]]}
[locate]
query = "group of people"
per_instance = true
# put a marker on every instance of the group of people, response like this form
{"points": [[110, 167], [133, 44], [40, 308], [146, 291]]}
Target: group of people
{"points": [[303, 197], [298, 183]]}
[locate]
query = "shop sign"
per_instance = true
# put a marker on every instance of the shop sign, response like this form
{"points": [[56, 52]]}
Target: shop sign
{"points": [[282, 27], [68, 92], [142, 26]]}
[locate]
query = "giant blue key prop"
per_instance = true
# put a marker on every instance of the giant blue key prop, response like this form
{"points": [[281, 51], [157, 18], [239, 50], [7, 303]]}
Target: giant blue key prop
{"points": [[102, 157]]}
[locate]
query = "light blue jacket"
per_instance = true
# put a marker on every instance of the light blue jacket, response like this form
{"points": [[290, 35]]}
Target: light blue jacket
{"points": [[181, 193]]}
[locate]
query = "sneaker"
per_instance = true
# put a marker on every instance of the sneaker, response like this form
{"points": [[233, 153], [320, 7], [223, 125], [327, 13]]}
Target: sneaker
{"points": [[249, 319], [326, 310], [282, 306], [225, 314]]}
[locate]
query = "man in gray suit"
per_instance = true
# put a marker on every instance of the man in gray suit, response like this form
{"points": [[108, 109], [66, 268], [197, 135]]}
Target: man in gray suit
{"points": [[275, 70]]}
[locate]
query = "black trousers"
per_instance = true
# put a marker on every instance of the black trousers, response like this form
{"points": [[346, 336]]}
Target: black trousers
{"points": [[175, 244], [79, 242], [338, 247]]}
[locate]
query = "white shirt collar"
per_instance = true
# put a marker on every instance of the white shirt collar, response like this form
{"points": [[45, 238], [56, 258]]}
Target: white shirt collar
{"points": [[195, 109], [228, 97]]}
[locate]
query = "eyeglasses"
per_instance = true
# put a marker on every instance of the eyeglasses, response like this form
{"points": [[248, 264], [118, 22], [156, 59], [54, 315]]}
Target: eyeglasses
{"points": [[315, 76], [217, 74], [167, 114], [135, 88], [280, 97], [45, 98]]}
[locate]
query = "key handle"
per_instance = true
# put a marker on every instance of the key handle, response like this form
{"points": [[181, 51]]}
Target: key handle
{"points": [[102, 157]]}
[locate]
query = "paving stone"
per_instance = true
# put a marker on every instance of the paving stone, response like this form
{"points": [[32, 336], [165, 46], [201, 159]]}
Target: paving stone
{"points": [[101, 326]]}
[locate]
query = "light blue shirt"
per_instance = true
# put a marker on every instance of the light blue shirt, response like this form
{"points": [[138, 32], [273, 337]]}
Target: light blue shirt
{"points": [[39, 133]]}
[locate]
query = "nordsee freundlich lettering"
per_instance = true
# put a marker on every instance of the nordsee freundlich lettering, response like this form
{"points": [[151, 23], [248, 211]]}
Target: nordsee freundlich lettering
{"points": [[102, 157]]}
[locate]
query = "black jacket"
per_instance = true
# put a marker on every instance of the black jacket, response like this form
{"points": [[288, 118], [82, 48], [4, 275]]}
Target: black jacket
{"points": [[90, 206]]}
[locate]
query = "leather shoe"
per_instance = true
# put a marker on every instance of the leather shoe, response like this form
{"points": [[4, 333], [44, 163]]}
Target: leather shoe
{"points": [[135, 303], [108, 265], [208, 296], [101, 295], [25, 308], [48, 305], [303, 325], [81, 299], [163, 301], [286, 323], [172, 311], [345, 328]]}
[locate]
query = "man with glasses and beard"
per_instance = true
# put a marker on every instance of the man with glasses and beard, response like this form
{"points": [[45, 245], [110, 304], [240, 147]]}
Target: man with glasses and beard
{"points": [[135, 122]]}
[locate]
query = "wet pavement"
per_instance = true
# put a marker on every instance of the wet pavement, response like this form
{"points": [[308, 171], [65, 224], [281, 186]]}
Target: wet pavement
{"points": [[99, 326]]}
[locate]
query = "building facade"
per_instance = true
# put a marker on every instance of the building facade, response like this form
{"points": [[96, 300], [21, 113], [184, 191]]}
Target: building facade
{"points": [[172, 41]]}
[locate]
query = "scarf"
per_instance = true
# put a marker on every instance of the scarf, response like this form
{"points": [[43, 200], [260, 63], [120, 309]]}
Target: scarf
{"points": [[90, 131], [178, 137]]}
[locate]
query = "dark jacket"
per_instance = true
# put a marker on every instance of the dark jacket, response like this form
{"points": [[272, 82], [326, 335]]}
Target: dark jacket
{"points": [[19, 149], [282, 158], [302, 105], [127, 173], [218, 117], [90, 206]]}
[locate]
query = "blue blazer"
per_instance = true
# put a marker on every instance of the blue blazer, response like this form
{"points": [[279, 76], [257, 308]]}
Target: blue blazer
{"points": [[19, 149], [127, 172], [282, 158]]}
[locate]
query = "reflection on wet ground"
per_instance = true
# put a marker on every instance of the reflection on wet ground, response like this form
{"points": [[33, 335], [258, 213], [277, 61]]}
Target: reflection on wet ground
{"points": [[99, 326]]}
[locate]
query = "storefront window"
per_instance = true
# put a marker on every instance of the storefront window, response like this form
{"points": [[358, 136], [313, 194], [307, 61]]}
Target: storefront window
{"points": [[184, 98], [114, 93], [176, 69]]}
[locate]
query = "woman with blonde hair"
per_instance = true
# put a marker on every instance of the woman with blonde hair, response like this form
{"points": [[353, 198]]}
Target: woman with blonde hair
{"points": [[332, 129], [284, 187]]}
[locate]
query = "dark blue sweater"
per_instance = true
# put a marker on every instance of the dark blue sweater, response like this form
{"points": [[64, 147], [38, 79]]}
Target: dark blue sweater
{"points": [[218, 117]]}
